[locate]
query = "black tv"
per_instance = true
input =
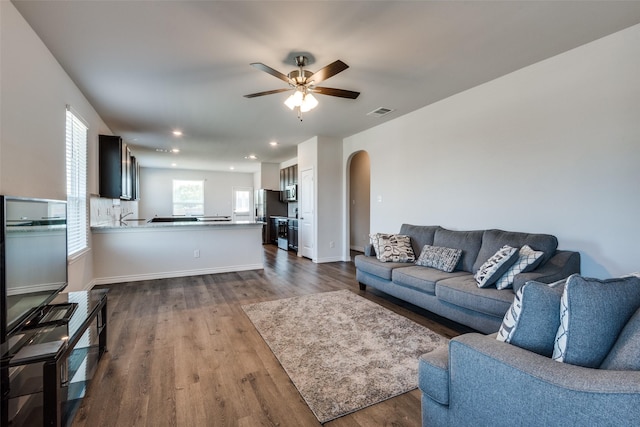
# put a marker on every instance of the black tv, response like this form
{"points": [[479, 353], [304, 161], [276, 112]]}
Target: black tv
{"points": [[33, 258]]}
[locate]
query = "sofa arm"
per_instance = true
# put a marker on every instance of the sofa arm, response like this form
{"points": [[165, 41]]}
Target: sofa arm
{"points": [[561, 265], [433, 374], [494, 383]]}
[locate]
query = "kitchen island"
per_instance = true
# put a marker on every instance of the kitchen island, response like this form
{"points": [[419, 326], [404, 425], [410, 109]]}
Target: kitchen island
{"points": [[137, 250]]}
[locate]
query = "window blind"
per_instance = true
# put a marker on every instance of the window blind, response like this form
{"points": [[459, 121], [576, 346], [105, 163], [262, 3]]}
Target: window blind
{"points": [[76, 183]]}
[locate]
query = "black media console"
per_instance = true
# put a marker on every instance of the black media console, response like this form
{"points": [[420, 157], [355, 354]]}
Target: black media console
{"points": [[48, 365]]}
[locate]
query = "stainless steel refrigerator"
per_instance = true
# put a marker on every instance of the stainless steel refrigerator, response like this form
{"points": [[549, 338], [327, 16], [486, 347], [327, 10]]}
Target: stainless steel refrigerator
{"points": [[268, 204]]}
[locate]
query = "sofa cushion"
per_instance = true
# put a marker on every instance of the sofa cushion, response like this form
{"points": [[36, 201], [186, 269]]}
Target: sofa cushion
{"points": [[393, 247], [463, 291], [492, 240], [371, 265], [592, 314], [534, 317], [625, 354], [496, 266], [444, 259], [527, 258], [420, 235], [468, 241], [421, 278]]}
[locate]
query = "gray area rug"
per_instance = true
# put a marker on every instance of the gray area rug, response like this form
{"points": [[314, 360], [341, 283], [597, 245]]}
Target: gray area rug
{"points": [[342, 351]]}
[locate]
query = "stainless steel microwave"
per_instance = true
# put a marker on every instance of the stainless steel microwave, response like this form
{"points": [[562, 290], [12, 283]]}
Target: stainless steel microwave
{"points": [[291, 193]]}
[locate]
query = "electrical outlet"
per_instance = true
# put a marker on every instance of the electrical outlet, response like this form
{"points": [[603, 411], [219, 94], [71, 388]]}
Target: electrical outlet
{"points": [[196, 253]]}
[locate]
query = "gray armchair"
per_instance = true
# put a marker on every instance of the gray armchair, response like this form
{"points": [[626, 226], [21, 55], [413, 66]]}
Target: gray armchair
{"points": [[480, 381]]}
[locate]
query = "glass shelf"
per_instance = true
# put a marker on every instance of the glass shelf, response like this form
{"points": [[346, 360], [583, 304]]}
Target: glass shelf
{"points": [[51, 366]]}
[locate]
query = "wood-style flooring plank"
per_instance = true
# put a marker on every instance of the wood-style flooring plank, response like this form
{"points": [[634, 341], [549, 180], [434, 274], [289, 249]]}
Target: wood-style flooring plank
{"points": [[181, 351]]}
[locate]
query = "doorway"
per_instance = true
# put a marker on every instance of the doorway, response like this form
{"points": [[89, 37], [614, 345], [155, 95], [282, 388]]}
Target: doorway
{"points": [[242, 204], [359, 200]]}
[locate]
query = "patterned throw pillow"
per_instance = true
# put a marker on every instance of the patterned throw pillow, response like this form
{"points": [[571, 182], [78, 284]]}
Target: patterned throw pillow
{"points": [[392, 247], [495, 266], [592, 314], [444, 259], [527, 258], [534, 317]]}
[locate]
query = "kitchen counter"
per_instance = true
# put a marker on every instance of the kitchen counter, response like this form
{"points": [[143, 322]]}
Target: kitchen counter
{"points": [[144, 250], [137, 224]]}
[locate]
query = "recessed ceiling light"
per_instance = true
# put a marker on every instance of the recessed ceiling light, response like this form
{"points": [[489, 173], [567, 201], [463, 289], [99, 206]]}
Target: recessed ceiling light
{"points": [[173, 165], [231, 167], [251, 157], [177, 132], [175, 150], [162, 150], [273, 143]]}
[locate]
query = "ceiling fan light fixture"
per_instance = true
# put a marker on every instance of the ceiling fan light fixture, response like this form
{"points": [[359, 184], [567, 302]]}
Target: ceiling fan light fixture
{"points": [[295, 100], [308, 103]]}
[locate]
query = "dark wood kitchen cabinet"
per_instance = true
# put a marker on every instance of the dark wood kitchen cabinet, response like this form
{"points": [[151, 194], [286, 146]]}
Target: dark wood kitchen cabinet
{"points": [[115, 171], [288, 176], [135, 179], [273, 232], [293, 234]]}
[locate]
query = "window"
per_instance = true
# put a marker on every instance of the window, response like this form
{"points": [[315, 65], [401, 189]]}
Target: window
{"points": [[76, 148], [188, 197]]}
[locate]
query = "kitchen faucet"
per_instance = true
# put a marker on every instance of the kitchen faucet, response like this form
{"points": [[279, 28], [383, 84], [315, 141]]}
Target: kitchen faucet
{"points": [[123, 217]]}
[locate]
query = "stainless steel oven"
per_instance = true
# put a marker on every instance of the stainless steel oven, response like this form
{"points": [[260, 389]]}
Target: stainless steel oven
{"points": [[283, 233]]}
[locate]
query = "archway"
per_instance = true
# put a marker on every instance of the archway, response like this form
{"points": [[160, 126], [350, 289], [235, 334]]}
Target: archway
{"points": [[359, 203]]}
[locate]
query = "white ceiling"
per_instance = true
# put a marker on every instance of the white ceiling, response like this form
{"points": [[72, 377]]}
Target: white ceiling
{"points": [[149, 67]]}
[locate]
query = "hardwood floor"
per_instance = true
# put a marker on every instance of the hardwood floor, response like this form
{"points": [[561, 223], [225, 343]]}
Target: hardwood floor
{"points": [[181, 352]]}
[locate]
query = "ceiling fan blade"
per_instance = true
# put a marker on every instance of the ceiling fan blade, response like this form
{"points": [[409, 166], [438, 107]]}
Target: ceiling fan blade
{"points": [[260, 66], [336, 92], [328, 71], [267, 92]]}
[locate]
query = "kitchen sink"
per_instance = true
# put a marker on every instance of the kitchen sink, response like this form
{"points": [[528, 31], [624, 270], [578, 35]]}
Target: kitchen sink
{"points": [[174, 219]]}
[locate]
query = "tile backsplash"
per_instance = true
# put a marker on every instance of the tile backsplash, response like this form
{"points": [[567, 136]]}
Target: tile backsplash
{"points": [[103, 211]]}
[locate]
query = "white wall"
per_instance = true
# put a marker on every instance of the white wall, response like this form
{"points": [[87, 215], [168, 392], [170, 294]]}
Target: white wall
{"points": [[34, 90], [552, 148], [268, 177], [329, 177], [156, 187], [322, 154]]}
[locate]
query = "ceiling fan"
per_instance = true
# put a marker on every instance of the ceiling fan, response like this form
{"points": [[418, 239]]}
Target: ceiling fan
{"points": [[303, 82]]}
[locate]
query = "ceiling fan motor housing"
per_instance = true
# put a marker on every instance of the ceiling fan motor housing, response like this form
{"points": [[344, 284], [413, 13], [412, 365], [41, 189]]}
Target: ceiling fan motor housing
{"points": [[300, 77]]}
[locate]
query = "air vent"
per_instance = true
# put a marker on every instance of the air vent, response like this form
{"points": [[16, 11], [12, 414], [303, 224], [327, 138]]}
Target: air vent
{"points": [[379, 112]]}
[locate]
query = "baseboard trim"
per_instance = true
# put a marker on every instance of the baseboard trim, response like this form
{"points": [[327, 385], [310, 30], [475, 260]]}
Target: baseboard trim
{"points": [[89, 285], [170, 274], [329, 259]]}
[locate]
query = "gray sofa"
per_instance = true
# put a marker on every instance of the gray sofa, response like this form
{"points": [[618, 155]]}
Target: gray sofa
{"points": [[455, 295], [544, 374]]}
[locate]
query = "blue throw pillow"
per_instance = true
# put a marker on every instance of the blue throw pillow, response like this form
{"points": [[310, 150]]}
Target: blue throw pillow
{"points": [[592, 314], [534, 317], [625, 354]]}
